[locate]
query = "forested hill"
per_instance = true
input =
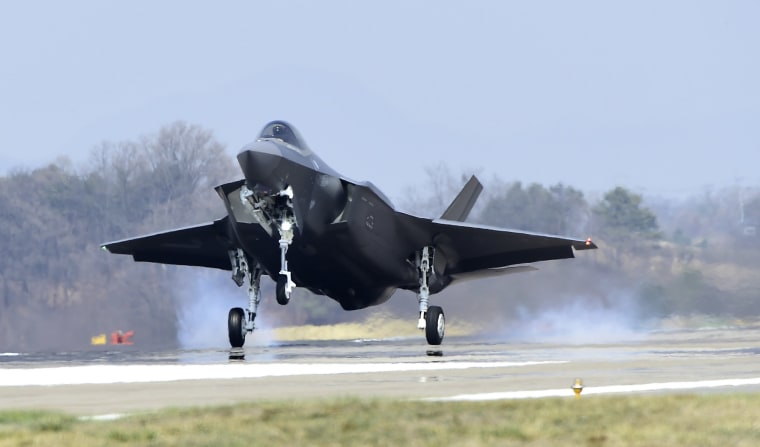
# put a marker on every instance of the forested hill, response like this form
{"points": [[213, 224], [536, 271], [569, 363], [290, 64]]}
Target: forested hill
{"points": [[657, 257], [57, 288]]}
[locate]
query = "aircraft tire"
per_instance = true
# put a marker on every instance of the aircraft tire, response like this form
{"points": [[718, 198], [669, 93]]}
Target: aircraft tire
{"points": [[235, 322], [282, 296], [435, 324]]}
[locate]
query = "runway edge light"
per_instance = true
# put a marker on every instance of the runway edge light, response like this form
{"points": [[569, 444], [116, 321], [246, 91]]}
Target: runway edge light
{"points": [[577, 388], [98, 340]]}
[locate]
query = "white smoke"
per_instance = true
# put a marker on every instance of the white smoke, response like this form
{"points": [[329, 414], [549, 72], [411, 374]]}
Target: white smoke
{"points": [[206, 300], [579, 320]]}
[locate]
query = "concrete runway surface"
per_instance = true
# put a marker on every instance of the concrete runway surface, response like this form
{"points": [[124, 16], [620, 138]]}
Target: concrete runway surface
{"points": [[470, 368]]}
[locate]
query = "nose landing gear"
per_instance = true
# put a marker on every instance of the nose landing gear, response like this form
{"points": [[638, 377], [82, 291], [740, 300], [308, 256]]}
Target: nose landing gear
{"points": [[435, 325], [285, 285], [268, 210]]}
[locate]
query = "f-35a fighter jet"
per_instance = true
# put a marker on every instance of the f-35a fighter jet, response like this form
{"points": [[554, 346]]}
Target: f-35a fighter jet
{"points": [[302, 224]]}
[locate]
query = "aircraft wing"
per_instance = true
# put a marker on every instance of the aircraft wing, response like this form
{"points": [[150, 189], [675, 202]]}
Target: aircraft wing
{"points": [[204, 245], [472, 248]]}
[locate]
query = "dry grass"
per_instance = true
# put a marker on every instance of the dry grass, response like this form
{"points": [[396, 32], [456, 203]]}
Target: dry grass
{"points": [[376, 327], [672, 420]]}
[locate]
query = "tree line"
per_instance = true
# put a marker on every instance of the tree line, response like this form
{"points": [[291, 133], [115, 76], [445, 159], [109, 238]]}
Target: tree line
{"points": [[57, 288]]}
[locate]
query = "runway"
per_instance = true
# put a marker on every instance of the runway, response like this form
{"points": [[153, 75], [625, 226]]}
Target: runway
{"points": [[467, 368]]}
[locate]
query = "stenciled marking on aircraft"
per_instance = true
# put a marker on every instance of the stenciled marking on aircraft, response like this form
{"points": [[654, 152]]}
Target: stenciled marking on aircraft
{"points": [[108, 374], [611, 389]]}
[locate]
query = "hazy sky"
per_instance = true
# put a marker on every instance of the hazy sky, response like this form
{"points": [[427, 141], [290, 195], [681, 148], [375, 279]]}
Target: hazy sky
{"points": [[659, 96]]}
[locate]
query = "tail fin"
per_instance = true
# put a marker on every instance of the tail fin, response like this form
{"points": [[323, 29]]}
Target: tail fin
{"points": [[462, 205]]}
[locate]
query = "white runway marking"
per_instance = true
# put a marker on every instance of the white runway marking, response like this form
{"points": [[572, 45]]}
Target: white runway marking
{"points": [[567, 392], [104, 417], [105, 374]]}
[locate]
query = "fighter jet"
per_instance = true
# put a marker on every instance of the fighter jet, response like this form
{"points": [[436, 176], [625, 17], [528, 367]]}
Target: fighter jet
{"points": [[296, 220]]}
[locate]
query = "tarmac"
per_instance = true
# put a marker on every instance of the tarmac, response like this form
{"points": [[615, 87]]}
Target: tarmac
{"points": [[115, 382]]}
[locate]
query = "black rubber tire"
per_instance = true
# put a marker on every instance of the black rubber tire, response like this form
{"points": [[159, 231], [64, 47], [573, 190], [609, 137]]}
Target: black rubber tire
{"points": [[282, 297], [435, 324], [235, 322]]}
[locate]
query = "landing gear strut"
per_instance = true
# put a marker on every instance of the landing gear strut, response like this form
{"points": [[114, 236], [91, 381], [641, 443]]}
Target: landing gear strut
{"points": [[240, 322], [275, 210], [269, 210], [431, 318], [285, 225]]}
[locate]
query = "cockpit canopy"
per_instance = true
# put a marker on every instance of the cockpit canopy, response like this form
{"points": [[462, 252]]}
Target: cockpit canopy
{"points": [[285, 132]]}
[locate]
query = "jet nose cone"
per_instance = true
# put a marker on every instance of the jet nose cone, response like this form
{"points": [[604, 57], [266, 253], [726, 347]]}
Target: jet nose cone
{"points": [[259, 163]]}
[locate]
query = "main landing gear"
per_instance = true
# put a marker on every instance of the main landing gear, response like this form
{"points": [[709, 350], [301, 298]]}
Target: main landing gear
{"points": [[431, 320], [240, 322]]}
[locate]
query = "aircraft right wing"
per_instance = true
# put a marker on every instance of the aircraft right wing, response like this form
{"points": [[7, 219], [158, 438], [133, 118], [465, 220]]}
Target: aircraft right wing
{"points": [[204, 245], [473, 248]]}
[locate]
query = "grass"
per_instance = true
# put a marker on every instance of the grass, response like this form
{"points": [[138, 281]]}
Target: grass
{"points": [[378, 326], [672, 420]]}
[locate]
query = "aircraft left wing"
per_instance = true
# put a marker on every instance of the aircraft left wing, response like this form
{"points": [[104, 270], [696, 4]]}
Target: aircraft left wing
{"points": [[471, 248], [204, 245]]}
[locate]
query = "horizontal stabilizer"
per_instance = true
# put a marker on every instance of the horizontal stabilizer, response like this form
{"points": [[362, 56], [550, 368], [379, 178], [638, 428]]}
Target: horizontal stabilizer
{"points": [[462, 205], [491, 272]]}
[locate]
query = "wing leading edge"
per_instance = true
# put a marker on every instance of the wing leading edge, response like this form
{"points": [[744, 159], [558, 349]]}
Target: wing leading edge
{"points": [[204, 245]]}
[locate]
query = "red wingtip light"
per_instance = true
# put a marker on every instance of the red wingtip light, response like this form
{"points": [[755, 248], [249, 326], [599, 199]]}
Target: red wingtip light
{"points": [[588, 242]]}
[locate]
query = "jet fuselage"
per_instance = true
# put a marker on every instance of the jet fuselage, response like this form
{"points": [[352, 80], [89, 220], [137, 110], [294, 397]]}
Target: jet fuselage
{"points": [[295, 219], [346, 245]]}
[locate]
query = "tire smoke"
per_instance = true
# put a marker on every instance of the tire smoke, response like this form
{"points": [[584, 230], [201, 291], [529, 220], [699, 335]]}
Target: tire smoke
{"points": [[206, 300], [579, 320]]}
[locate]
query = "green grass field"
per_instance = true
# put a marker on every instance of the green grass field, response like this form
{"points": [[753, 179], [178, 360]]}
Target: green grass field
{"points": [[652, 420]]}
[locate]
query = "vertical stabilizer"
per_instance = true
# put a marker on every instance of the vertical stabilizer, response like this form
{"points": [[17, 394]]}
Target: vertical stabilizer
{"points": [[462, 205]]}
